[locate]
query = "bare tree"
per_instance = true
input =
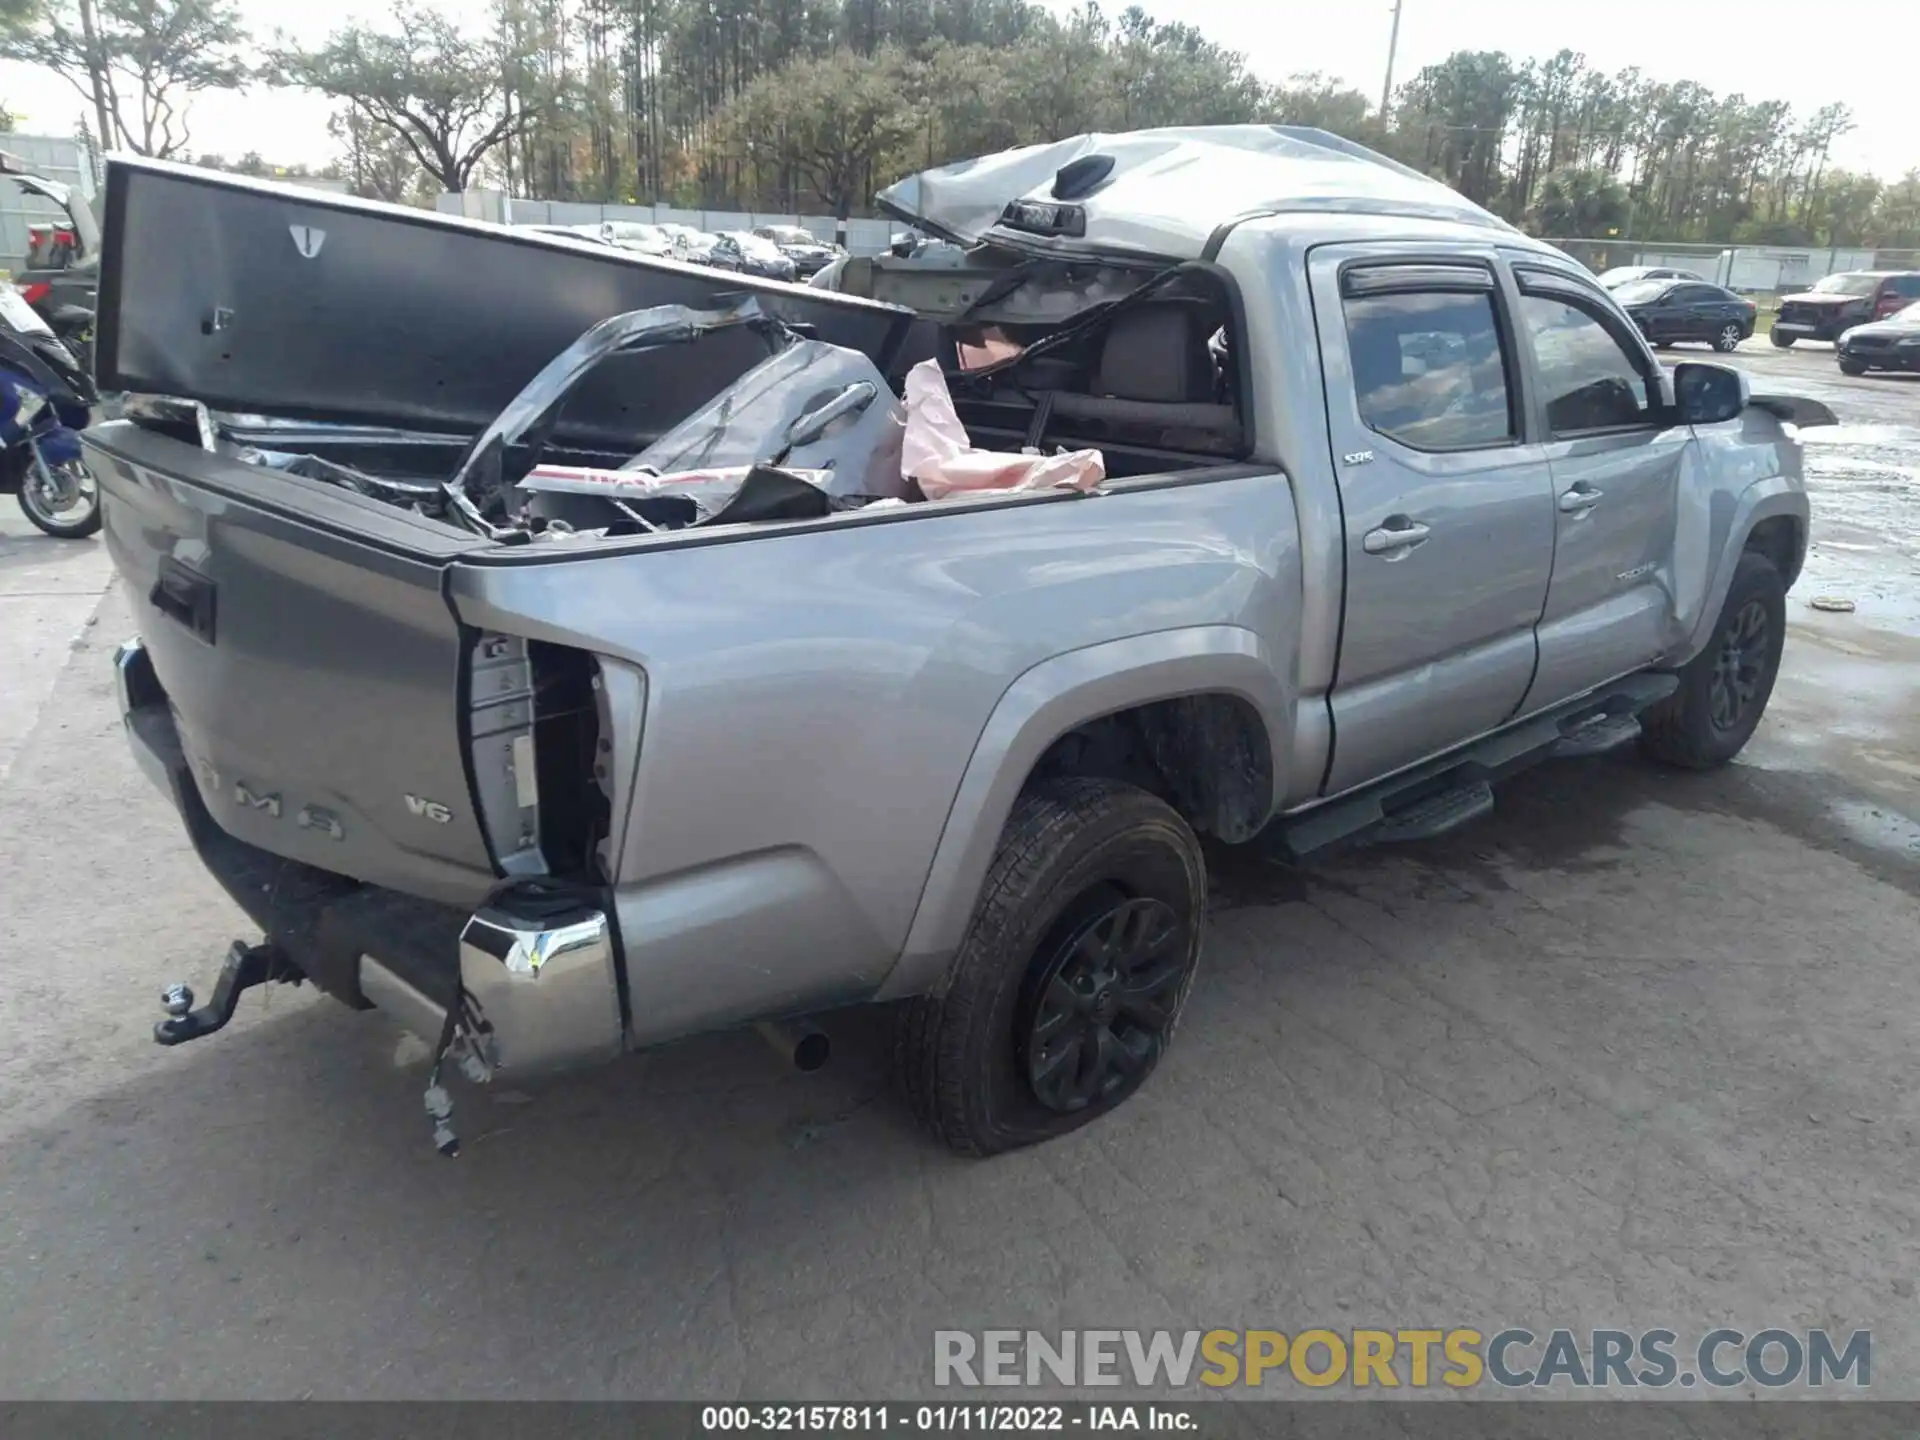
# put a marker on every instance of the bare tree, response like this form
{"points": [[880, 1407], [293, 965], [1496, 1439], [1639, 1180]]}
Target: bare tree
{"points": [[437, 90], [138, 62], [827, 120], [377, 163]]}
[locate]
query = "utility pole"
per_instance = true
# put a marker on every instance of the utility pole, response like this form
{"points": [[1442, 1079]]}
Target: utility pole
{"points": [[1393, 44]]}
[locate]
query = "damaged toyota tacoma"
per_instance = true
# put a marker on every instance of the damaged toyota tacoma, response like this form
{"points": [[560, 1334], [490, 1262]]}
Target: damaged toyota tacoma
{"points": [[564, 650]]}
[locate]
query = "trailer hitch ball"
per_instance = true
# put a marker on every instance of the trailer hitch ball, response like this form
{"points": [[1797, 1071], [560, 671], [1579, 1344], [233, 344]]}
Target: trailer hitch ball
{"points": [[246, 966]]}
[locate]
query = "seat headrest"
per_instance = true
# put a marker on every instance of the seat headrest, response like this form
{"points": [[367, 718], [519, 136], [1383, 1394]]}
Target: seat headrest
{"points": [[1157, 353]]}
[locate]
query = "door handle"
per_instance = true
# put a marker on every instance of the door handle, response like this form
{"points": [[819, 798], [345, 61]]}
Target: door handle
{"points": [[1580, 499], [1395, 538]]}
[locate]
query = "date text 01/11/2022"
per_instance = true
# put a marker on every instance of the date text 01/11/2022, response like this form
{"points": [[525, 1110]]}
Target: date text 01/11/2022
{"points": [[945, 1419]]}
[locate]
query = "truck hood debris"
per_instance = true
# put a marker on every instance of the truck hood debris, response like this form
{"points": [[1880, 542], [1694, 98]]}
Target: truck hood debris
{"points": [[1163, 193]]}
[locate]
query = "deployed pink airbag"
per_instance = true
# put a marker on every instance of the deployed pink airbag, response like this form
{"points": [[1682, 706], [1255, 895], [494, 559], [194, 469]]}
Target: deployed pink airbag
{"points": [[937, 455]]}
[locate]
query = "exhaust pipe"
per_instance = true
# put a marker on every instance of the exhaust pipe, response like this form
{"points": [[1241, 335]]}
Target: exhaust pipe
{"points": [[800, 1043]]}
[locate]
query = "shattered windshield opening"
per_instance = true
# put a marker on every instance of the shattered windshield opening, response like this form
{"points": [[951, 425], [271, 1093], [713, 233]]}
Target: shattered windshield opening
{"points": [[1156, 367], [1002, 352], [982, 347]]}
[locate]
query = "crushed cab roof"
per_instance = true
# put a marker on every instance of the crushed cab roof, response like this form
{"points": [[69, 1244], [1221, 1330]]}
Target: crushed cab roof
{"points": [[1168, 191]]}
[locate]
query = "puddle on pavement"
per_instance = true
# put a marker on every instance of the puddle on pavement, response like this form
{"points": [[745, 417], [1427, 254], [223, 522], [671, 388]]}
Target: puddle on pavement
{"points": [[1863, 483], [1877, 826], [1820, 437]]}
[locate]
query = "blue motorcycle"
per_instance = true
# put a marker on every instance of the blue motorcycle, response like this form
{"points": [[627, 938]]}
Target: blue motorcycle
{"points": [[46, 399]]}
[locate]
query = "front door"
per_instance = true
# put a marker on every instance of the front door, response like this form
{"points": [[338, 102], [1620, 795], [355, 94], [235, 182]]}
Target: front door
{"points": [[1663, 321], [1616, 461], [1448, 510]]}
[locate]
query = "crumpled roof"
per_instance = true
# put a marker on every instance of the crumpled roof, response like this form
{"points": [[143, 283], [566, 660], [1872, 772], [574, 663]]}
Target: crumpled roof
{"points": [[1171, 189]]}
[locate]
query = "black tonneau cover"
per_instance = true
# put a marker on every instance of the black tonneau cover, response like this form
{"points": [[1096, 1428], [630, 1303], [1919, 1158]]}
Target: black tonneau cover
{"points": [[270, 299]]}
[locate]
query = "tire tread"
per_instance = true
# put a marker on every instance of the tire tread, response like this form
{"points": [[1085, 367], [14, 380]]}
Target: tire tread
{"points": [[1676, 731], [932, 1034]]}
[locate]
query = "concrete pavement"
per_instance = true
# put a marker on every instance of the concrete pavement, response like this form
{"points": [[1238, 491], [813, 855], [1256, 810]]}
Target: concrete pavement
{"points": [[49, 591]]}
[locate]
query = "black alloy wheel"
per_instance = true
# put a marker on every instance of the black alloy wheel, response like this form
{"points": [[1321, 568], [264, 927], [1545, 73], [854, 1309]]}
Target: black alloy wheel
{"points": [[1069, 985], [1739, 668], [1723, 690], [1104, 999]]}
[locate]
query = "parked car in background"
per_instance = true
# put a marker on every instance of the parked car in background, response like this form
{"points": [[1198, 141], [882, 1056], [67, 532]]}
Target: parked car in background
{"points": [[637, 235], [62, 271], [808, 252], [1669, 312], [1623, 274], [1839, 302], [755, 256], [697, 246], [1889, 344]]}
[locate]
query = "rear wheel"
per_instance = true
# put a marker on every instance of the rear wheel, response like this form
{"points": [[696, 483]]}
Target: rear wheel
{"points": [[1728, 339], [1782, 342], [1725, 688], [1072, 975], [63, 500]]}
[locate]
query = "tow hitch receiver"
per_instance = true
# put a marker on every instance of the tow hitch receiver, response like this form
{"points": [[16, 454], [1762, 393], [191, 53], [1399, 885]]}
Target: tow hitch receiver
{"points": [[246, 966]]}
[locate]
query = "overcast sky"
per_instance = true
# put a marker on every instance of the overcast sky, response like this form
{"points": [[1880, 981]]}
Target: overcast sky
{"points": [[1764, 48]]}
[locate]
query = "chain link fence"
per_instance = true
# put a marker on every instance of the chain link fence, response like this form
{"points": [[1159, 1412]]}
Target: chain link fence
{"points": [[1762, 273]]}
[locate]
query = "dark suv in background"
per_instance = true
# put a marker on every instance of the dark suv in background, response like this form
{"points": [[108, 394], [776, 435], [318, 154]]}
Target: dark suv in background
{"points": [[1839, 302]]}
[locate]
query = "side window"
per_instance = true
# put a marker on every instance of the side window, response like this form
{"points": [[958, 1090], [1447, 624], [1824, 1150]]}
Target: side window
{"points": [[1428, 368], [1694, 294], [1907, 285], [1590, 380]]}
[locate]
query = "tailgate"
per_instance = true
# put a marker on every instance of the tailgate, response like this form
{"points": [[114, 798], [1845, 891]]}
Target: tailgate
{"points": [[311, 660]]}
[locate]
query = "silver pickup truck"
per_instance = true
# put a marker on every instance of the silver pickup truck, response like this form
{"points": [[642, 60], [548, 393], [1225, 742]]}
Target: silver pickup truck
{"points": [[1396, 501]]}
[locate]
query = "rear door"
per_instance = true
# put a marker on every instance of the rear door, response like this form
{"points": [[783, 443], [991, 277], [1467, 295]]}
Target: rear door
{"points": [[1616, 460], [1448, 511]]}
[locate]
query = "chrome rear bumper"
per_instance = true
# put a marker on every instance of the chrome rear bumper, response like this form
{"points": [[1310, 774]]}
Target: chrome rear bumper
{"points": [[545, 990], [538, 972]]}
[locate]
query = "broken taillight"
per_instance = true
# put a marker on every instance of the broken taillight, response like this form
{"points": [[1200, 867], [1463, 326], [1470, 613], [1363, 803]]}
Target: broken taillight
{"points": [[535, 734]]}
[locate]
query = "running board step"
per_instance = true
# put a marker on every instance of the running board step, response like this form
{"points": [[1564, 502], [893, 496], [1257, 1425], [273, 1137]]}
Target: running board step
{"points": [[1596, 735], [1589, 725], [1438, 813]]}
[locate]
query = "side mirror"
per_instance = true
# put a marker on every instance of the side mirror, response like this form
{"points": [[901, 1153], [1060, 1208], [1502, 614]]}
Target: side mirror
{"points": [[1708, 394]]}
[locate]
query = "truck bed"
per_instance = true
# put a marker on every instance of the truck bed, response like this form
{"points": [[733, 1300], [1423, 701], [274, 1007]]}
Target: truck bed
{"points": [[784, 736]]}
